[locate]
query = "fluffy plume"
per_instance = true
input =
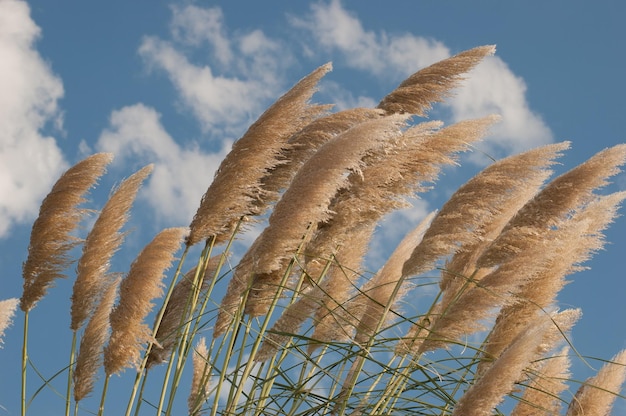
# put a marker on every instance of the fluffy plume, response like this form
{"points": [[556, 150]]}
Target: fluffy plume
{"points": [[332, 320], [305, 204], [473, 216], [572, 243], [596, 396], [237, 189], [7, 310], [101, 243], [309, 303], [541, 396], [432, 84], [308, 198], [483, 396], [390, 174], [92, 343], [138, 289], [568, 192], [304, 144], [201, 376], [476, 203], [50, 238]]}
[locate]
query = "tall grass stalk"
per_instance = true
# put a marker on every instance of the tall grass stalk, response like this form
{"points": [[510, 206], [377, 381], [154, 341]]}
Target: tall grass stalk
{"points": [[461, 319]]}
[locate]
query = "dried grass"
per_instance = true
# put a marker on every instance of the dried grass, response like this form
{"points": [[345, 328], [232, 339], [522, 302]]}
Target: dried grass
{"points": [[51, 237], [237, 189], [142, 284], [101, 243]]}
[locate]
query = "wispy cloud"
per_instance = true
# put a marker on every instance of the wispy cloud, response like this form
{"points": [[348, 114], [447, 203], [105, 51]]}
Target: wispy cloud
{"points": [[226, 94], [181, 174], [335, 28], [28, 103], [193, 25]]}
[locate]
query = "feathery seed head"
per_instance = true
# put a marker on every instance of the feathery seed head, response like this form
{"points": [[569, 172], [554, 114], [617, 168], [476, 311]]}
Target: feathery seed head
{"points": [[7, 309], [101, 243], [237, 190], [138, 289], [598, 393], [51, 237], [432, 84]]}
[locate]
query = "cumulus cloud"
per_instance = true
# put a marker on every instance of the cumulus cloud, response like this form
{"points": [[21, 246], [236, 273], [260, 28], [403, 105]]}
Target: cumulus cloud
{"points": [[28, 103], [335, 28], [491, 88], [195, 25], [181, 174], [246, 72]]}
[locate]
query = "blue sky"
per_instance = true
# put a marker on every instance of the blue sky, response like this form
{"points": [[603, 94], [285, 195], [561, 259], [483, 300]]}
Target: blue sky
{"points": [[174, 83]]}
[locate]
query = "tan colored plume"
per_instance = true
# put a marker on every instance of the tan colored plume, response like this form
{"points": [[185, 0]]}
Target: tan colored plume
{"points": [[101, 243], [142, 284], [200, 380], [177, 312], [488, 391], [51, 237], [92, 343], [237, 189], [472, 217], [303, 205], [598, 393], [542, 394], [432, 84]]}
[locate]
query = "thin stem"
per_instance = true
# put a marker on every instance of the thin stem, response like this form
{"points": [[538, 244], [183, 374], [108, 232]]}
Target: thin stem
{"points": [[105, 387], [141, 389], [24, 363], [182, 333], [69, 374]]}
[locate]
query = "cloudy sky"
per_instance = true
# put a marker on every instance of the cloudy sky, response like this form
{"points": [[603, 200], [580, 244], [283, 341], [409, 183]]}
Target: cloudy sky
{"points": [[175, 83]]}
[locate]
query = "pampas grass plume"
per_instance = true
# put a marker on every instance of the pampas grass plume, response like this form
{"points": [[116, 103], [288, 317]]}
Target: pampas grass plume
{"points": [[237, 190], [92, 343], [7, 310], [141, 285], [51, 237], [597, 394], [101, 243]]}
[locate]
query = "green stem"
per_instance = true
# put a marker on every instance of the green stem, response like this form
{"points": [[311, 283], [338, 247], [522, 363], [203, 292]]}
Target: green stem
{"points": [[70, 374], [105, 387], [141, 389], [183, 332], [24, 363]]}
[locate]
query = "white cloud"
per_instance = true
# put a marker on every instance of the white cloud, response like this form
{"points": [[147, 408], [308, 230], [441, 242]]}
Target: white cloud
{"points": [[29, 161], [216, 101], [181, 174], [492, 88], [381, 53], [245, 75], [194, 25]]}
